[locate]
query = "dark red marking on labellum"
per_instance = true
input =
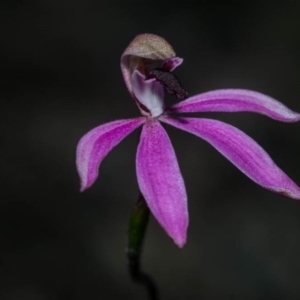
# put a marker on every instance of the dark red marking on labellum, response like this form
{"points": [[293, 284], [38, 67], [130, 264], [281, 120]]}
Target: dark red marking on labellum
{"points": [[170, 82], [142, 106]]}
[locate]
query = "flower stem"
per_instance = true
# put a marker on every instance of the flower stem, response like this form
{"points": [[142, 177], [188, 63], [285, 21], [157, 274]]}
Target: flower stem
{"points": [[136, 232]]}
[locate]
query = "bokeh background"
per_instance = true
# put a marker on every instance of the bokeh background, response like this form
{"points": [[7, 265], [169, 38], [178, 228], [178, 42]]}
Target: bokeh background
{"points": [[60, 77]]}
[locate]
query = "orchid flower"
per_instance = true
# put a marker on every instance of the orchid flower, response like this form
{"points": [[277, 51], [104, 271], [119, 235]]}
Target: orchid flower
{"points": [[146, 65]]}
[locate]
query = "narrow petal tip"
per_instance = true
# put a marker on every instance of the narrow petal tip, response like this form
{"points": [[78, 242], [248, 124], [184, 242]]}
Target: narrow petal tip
{"points": [[292, 191], [180, 242], [83, 187]]}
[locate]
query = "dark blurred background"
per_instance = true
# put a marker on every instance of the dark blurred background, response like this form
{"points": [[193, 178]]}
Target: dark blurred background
{"points": [[60, 77]]}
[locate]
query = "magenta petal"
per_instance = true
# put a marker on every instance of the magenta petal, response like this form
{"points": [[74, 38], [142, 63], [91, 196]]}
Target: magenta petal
{"points": [[234, 100], [160, 181], [242, 151], [97, 143]]}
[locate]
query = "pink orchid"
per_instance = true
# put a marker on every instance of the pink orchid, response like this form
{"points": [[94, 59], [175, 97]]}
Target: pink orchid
{"points": [[146, 66]]}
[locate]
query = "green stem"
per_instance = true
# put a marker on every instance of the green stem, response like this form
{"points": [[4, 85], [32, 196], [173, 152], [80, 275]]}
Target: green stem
{"points": [[136, 232], [137, 226]]}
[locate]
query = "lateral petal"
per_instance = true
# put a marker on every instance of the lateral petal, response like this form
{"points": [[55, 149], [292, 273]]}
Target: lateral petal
{"points": [[242, 151], [97, 143], [161, 182], [236, 100]]}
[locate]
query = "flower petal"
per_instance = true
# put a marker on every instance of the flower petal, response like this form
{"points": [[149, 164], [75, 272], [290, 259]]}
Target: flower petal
{"points": [[160, 181], [234, 100], [150, 93], [97, 143], [242, 151]]}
